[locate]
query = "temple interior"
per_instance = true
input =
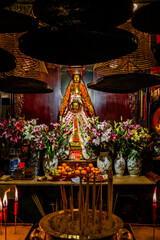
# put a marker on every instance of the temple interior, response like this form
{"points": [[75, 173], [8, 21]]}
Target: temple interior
{"points": [[79, 119]]}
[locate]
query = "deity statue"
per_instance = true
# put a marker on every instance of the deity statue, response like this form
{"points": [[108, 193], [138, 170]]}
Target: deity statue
{"points": [[75, 109]]}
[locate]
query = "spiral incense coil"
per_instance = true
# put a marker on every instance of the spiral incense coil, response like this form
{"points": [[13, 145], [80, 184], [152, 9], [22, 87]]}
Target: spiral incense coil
{"points": [[141, 59], [26, 66]]}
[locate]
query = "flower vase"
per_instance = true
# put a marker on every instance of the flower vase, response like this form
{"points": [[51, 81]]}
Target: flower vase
{"points": [[119, 164], [50, 164], [134, 165], [104, 162]]}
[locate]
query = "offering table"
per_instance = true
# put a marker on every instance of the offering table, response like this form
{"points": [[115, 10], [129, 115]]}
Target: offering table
{"points": [[49, 191]]}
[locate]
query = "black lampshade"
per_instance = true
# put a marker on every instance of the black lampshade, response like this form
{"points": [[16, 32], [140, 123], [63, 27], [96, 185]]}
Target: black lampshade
{"points": [[124, 83], [76, 47], [5, 3], [147, 18], [12, 84], [12, 22], [83, 14], [7, 61]]}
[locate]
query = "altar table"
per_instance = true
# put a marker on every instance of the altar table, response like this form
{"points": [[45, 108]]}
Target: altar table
{"points": [[48, 191]]}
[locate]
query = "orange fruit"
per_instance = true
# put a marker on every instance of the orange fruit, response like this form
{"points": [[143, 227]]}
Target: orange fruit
{"points": [[80, 168], [63, 171], [96, 169], [67, 168], [60, 171], [90, 165], [92, 169], [64, 164], [59, 167], [98, 172], [77, 172], [84, 172]]}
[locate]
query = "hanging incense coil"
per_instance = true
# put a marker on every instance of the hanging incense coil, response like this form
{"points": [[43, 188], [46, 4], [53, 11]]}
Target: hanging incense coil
{"points": [[83, 15], [91, 47], [27, 67], [141, 59]]}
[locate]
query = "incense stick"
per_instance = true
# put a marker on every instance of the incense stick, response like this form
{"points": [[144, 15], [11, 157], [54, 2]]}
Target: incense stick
{"points": [[63, 206], [93, 200], [87, 202], [38, 204], [71, 204], [100, 209], [115, 202], [80, 202], [110, 193]]}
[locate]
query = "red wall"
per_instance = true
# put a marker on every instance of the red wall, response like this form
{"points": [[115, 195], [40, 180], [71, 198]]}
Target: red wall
{"points": [[110, 106], [45, 106]]}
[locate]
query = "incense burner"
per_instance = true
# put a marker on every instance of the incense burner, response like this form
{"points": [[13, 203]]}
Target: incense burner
{"points": [[68, 225]]}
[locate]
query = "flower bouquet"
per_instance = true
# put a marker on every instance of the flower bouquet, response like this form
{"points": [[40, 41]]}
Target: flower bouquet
{"points": [[59, 137], [127, 137], [11, 133], [97, 136]]}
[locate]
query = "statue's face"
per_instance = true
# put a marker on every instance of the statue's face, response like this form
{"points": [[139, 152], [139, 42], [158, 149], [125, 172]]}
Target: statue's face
{"points": [[75, 106], [76, 78]]}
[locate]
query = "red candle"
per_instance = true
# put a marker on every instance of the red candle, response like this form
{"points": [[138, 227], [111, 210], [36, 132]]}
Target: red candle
{"points": [[0, 210], [154, 204], [5, 205], [16, 202]]}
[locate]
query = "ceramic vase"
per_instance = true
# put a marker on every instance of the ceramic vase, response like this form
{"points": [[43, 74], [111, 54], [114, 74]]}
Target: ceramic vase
{"points": [[134, 165], [50, 164], [119, 164], [104, 162]]}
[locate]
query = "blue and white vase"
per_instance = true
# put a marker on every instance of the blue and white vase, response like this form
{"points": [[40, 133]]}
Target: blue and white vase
{"points": [[119, 164]]}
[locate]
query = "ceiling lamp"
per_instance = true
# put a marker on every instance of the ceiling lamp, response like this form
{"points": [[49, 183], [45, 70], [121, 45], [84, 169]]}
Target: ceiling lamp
{"points": [[83, 15], [147, 18], [7, 61], [27, 67], [124, 83], [77, 47], [139, 60], [13, 84]]}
